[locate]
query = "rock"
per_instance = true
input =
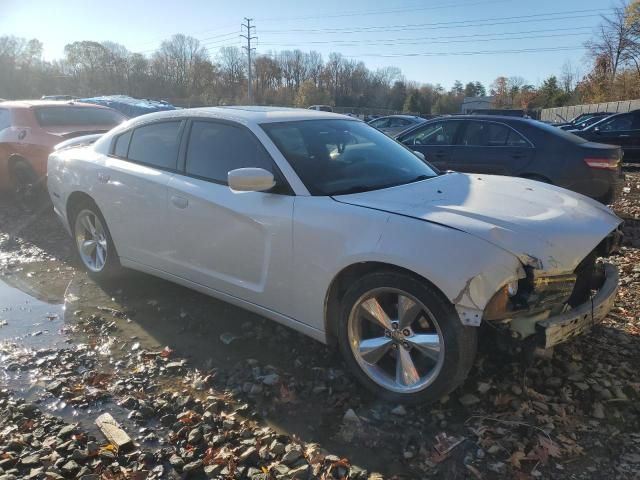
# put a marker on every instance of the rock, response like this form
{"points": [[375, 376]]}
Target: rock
{"points": [[193, 466], [249, 456], [350, 417], [176, 462], [497, 467], [212, 471], [271, 379], [195, 436], [598, 411], [469, 399], [554, 382], [292, 453], [299, 473], [66, 431], [484, 387], [70, 467], [30, 460], [276, 448], [111, 429], [398, 410]]}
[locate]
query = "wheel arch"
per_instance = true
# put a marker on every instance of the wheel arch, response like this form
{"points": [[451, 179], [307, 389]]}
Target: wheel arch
{"points": [[74, 199], [343, 279]]}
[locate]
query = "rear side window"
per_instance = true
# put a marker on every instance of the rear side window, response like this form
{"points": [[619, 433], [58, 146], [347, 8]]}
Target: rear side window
{"points": [[217, 148], [76, 116], [5, 118], [621, 122], [122, 144], [490, 134], [156, 145]]}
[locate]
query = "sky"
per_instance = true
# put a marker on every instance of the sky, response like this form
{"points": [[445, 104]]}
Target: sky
{"points": [[431, 41]]}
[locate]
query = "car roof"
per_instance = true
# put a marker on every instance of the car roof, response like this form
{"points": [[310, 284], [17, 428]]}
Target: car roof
{"points": [[501, 118], [46, 103], [244, 114], [399, 115]]}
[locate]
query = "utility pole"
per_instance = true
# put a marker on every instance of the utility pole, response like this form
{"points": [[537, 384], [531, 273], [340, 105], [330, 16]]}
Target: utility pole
{"points": [[248, 48]]}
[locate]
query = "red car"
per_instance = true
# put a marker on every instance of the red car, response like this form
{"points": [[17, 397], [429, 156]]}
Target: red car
{"points": [[29, 129]]}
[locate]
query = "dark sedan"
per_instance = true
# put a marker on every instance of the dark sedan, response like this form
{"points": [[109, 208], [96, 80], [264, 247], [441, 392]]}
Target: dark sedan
{"points": [[622, 129], [522, 148]]}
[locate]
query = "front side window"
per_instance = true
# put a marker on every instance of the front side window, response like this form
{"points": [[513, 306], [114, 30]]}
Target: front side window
{"points": [[156, 145], [437, 133], [65, 116], [217, 148], [334, 157]]}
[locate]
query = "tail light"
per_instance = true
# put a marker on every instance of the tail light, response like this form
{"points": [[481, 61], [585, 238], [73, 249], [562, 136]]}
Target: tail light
{"points": [[602, 163]]}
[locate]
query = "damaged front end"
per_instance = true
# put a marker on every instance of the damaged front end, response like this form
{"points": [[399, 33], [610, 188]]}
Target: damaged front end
{"points": [[555, 308]]}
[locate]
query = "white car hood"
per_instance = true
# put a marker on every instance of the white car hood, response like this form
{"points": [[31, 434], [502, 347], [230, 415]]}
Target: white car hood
{"points": [[545, 226]]}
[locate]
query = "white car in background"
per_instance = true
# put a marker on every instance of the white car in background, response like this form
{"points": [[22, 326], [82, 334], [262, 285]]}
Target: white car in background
{"points": [[330, 227]]}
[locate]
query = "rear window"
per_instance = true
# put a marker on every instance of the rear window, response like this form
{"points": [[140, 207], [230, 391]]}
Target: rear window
{"points": [[558, 132], [75, 116]]}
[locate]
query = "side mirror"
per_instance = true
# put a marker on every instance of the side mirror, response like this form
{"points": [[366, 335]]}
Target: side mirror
{"points": [[250, 180], [420, 155]]}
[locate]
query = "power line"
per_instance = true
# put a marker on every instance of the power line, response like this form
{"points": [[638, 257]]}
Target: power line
{"points": [[452, 24], [248, 48], [383, 12], [392, 43], [470, 53]]}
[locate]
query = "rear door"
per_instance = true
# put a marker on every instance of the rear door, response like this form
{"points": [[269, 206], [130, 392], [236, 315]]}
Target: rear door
{"points": [[238, 243], [131, 190], [490, 147], [435, 140]]}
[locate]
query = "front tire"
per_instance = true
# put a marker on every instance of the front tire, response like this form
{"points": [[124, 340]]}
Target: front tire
{"points": [[93, 242], [402, 339]]}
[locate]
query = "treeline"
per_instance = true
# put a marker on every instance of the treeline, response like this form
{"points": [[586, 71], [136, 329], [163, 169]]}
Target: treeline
{"points": [[182, 71]]}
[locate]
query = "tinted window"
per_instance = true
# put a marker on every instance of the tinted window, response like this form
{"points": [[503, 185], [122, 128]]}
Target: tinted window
{"points": [[5, 119], [156, 144], [489, 134], [216, 148], [622, 122], [122, 144], [380, 123], [437, 133], [399, 122], [66, 116], [334, 157]]}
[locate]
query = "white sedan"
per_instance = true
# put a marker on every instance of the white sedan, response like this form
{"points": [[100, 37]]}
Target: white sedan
{"points": [[326, 225]]}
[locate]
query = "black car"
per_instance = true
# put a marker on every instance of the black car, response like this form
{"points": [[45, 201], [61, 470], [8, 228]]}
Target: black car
{"points": [[519, 147], [585, 122], [622, 129]]}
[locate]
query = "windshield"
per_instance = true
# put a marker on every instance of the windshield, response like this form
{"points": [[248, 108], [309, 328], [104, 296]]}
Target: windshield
{"points": [[334, 157]]}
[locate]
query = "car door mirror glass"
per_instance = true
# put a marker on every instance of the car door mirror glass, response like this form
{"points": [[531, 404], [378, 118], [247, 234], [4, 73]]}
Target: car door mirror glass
{"points": [[250, 180]]}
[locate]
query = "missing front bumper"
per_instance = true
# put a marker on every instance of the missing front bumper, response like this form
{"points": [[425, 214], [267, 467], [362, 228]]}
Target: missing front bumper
{"points": [[578, 320]]}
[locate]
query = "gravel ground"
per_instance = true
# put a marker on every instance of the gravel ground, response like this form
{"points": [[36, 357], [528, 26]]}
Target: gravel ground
{"points": [[205, 390]]}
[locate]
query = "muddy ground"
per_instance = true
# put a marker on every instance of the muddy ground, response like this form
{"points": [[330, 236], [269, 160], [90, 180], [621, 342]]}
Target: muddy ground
{"points": [[207, 390]]}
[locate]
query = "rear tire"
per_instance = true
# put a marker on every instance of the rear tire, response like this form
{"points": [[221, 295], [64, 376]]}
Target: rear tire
{"points": [[27, 187], [402, 339], [94, 246]]}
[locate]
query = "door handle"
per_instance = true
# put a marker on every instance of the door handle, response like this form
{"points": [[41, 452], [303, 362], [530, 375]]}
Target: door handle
{"points": [[179, 202], [103, 177]]}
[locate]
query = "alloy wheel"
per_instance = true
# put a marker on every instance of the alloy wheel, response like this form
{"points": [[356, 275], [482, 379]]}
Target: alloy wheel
{"points": [[91, 240], [396, 340]]}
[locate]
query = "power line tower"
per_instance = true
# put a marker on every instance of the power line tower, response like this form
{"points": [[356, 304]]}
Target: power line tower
{"points": [[248, 48]]}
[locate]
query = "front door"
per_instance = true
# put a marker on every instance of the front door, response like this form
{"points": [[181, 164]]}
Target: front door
{"points": [[238, 243]]}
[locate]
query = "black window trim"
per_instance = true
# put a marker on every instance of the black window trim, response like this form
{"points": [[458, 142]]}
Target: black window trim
{"points": [[282, 186], [466, 124], [181, 129]]}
